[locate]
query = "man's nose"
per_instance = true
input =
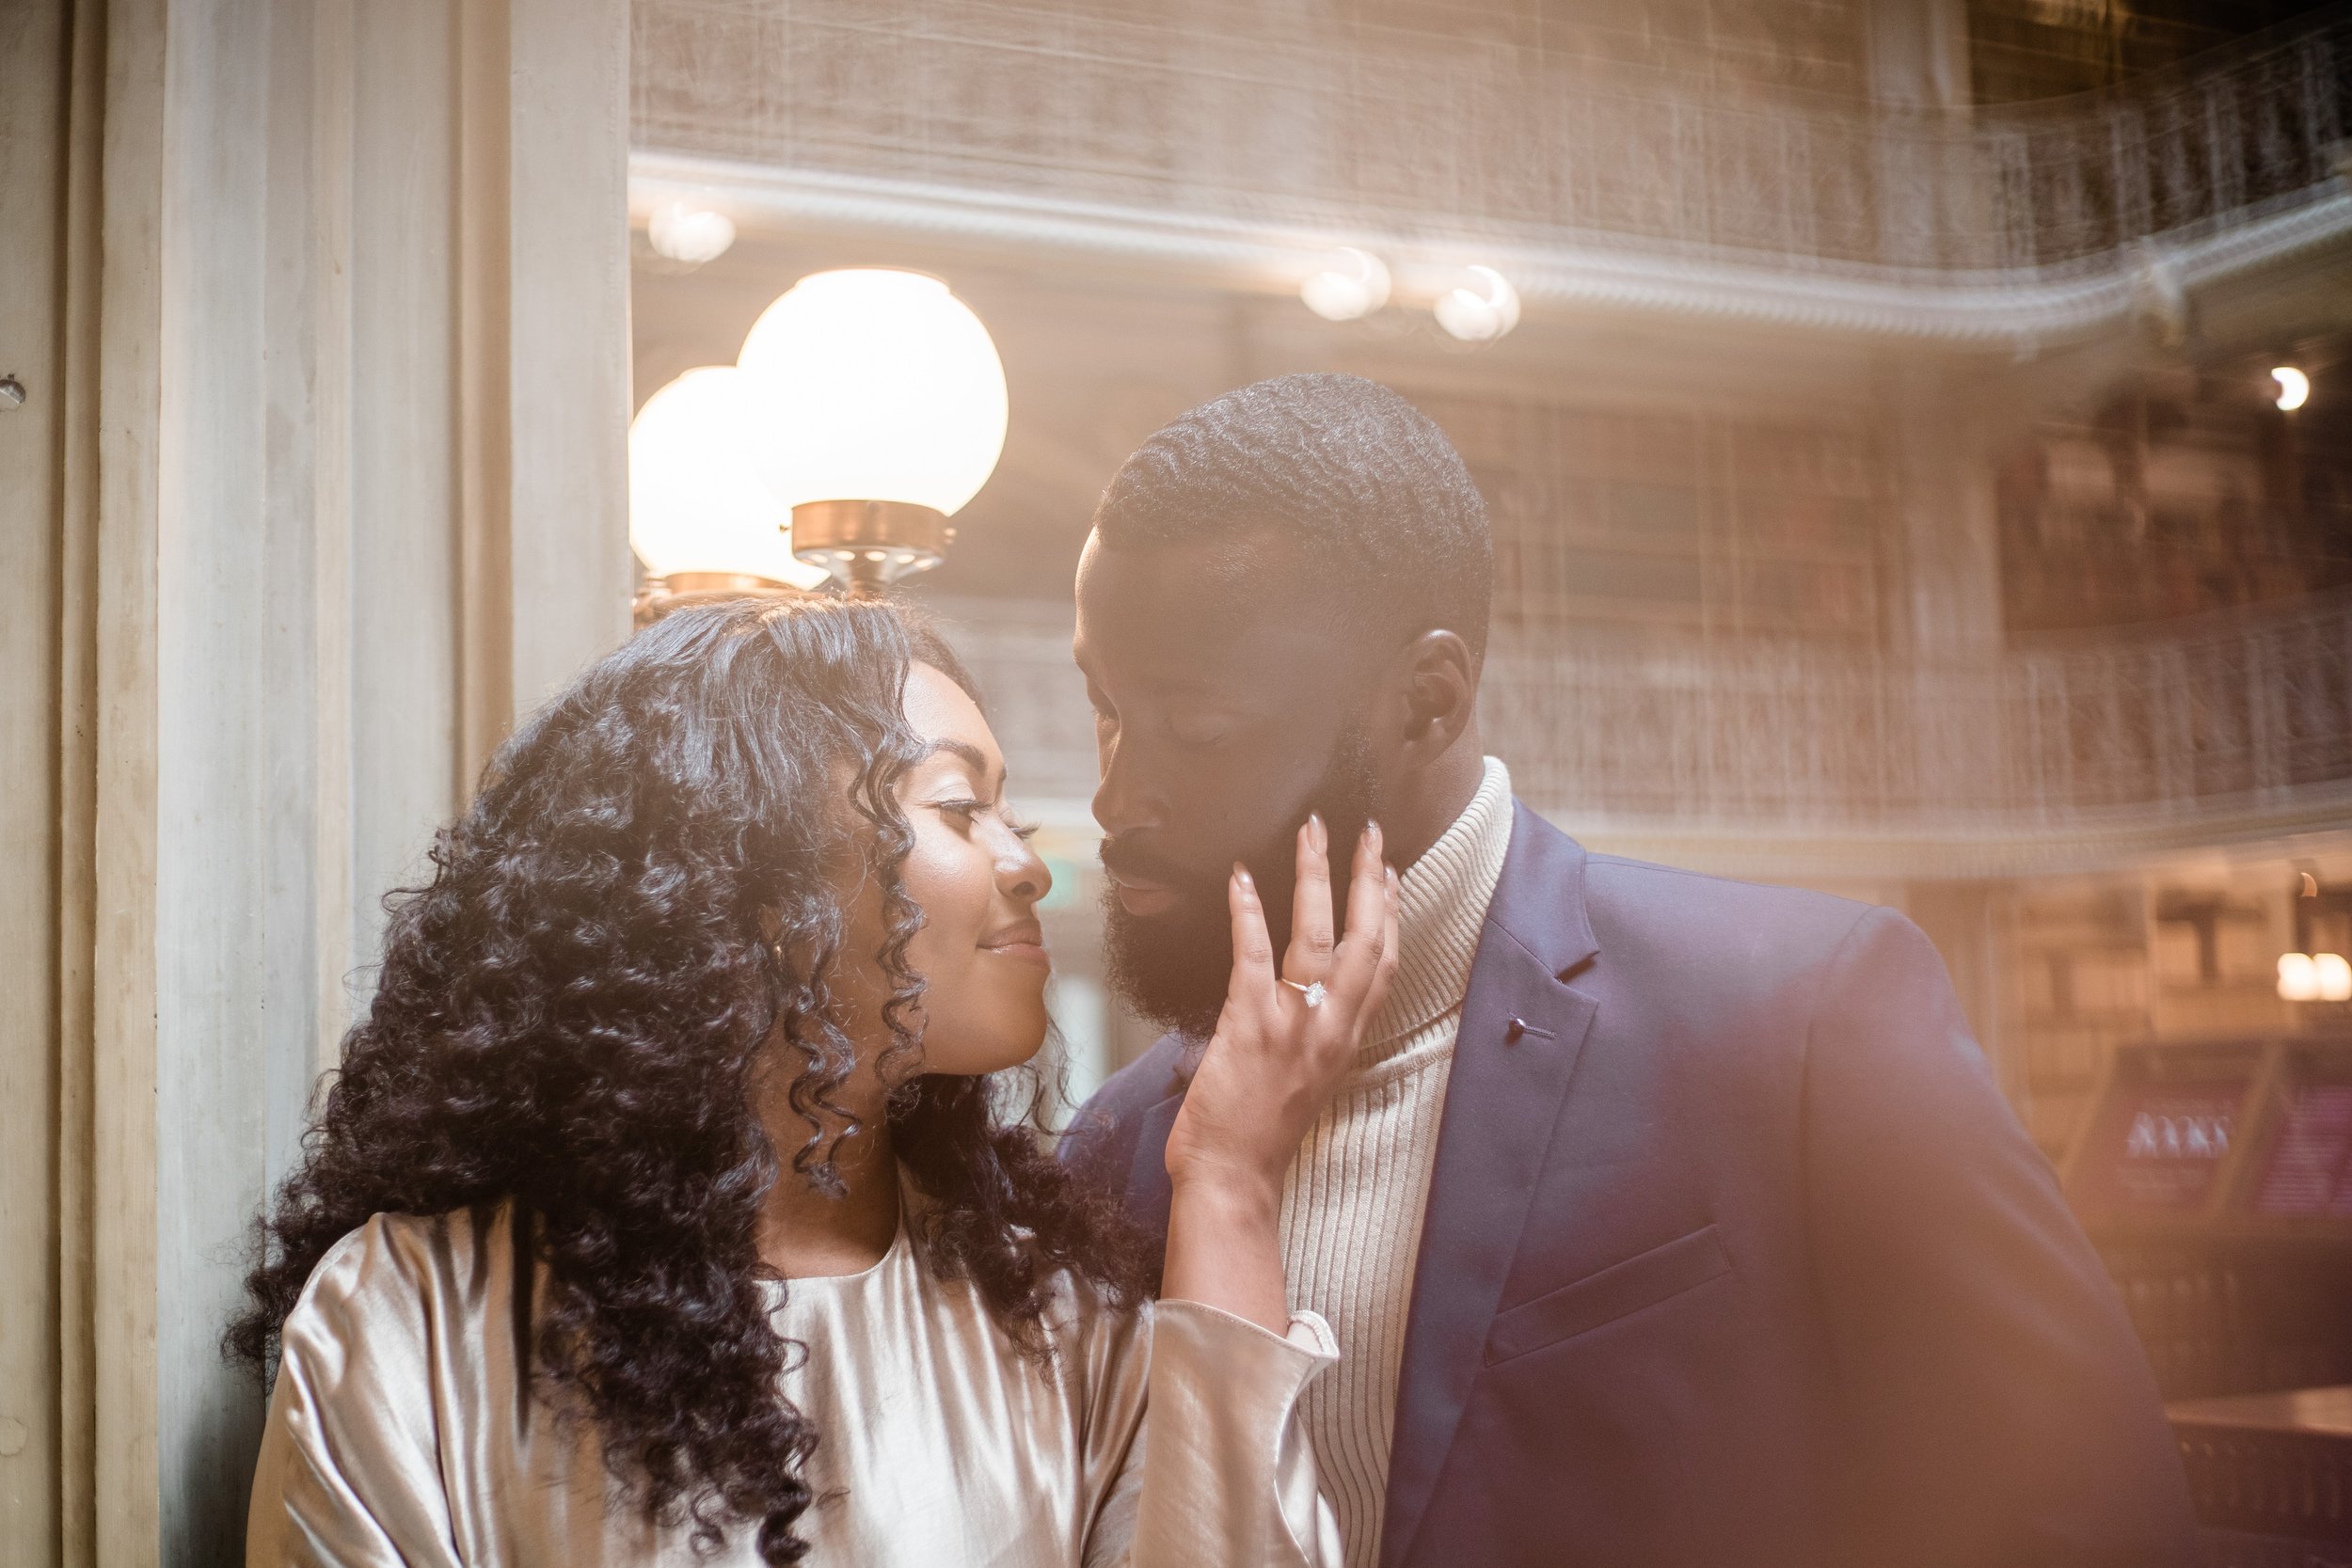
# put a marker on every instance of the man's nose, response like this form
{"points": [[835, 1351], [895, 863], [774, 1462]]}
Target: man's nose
{"points": [[1125, 800]]}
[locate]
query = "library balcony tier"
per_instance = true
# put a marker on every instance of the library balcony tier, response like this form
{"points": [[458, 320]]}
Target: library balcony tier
{"points": [[1791, 760], [1590, 168]]}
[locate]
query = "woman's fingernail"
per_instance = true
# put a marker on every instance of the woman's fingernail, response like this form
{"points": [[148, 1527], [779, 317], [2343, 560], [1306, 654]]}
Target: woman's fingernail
{"points": [[1318, 836], [1372, 834], [1241, 875]]}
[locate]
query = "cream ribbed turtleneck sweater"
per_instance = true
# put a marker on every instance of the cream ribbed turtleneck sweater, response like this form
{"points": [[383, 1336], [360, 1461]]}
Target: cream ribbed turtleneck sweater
{"points": [[1353, 1204]]}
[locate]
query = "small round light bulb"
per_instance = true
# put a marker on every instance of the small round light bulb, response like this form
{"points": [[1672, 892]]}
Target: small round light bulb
{"points": [[1351, 285], [690, 234], [1482, 309]]}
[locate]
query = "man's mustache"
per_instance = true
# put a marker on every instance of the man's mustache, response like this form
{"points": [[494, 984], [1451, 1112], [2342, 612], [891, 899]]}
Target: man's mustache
{"points": [[1130, 863]]}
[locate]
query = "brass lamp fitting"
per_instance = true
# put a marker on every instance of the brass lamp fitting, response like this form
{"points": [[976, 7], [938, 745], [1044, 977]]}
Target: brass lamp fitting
{"points": [[868, 546]]}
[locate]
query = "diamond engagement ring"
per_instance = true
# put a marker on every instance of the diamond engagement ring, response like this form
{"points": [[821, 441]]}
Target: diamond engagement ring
{"points": [[1311, 994]]}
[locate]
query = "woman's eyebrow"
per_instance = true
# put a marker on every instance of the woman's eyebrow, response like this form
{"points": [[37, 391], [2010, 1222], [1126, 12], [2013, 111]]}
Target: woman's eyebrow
{"points": [[962, 748]]}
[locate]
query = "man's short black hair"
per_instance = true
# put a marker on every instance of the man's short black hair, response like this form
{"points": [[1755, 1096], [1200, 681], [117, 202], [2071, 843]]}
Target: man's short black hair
{"points": [[1366, 485]]}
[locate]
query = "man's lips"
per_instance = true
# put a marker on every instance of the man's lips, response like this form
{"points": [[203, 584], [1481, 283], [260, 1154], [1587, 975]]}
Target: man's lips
{"points": [[1143, 900]]}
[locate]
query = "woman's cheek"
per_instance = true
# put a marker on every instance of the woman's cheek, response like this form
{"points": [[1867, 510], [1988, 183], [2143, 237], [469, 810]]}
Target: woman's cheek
{"points": [[950, 880]]}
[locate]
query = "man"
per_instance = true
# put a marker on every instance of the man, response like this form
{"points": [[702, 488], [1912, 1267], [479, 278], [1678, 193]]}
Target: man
{"points": [[1666, 1220]]}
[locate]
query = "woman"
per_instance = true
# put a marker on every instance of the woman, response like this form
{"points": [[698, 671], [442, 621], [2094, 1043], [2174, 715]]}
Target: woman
{"points": [[663, 1208]]}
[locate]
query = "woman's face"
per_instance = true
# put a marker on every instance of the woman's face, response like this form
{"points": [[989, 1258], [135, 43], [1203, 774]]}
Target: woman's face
{"points": [[982, 951]]}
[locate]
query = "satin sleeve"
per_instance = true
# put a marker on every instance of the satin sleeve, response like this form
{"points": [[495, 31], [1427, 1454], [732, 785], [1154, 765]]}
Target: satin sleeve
{"points": [[1220, 1470], [349, 1473]]}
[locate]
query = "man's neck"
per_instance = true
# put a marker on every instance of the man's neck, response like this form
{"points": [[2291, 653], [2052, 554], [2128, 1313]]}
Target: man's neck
{"points": [[1442, 793]]}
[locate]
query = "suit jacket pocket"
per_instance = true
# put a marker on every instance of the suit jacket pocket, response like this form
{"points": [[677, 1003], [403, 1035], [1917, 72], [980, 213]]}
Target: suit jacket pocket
{"points": [[1619, 1291]]}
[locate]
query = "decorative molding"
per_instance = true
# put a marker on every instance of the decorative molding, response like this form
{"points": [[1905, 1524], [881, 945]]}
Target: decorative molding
{"points": [[2022, 310]]}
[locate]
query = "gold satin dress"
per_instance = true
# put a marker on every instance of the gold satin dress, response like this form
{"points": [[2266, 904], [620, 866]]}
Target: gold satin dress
{"points": [[402, 1428]]}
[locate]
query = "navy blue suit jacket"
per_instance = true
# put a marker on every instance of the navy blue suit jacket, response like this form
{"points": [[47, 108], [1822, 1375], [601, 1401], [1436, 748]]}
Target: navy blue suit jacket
{"points": [[1734, 1255]]}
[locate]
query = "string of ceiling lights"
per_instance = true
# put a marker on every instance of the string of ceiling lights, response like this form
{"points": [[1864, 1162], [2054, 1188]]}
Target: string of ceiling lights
{"points": [[1470, 303]]}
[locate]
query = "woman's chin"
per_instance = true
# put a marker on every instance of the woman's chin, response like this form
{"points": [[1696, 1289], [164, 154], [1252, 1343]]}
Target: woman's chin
{"points": [[975, 1055], [1021, 1045]]}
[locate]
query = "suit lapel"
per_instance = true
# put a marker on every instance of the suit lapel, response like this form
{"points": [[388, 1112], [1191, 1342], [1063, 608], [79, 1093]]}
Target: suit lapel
{"points": [[1521, 1032]]}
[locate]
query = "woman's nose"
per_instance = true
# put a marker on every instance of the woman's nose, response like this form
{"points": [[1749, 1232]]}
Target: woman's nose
{"points": [[1023, 875]]}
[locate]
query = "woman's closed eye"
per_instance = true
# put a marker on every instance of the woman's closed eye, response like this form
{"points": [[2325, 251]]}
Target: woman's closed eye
{"points": [[964, 811]]}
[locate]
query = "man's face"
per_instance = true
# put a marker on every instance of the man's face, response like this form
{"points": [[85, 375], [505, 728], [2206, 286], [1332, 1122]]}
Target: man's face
{"points": [[1226, 708]]}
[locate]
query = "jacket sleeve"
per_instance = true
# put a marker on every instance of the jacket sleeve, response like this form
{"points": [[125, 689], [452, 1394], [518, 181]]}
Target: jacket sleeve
{"points": [[1996, 1408]]}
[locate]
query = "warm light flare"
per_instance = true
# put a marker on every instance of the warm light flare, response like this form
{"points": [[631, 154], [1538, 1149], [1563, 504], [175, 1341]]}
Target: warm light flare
{"points": [[2295, 387]]}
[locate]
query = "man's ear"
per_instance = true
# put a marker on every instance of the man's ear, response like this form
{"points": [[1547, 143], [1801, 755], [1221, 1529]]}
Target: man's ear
{"points": [[1439, 681]]}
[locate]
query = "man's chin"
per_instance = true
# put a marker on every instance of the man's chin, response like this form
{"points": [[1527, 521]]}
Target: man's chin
{"points": [[1171, 967]]}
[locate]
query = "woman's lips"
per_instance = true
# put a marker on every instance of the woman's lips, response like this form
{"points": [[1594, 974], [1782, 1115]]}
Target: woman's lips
{"points": [[1024, 941]]}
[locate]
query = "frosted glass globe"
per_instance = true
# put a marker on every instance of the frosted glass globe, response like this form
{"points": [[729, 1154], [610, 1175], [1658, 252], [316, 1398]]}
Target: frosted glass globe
{"points": [[695, 502], [875, 385]]}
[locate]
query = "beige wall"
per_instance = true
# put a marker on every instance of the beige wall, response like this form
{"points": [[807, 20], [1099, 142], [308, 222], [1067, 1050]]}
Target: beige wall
{"points": [[323, 310]]}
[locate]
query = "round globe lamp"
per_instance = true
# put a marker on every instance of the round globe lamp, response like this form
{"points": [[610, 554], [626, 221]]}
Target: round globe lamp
{"points": [[882, 411], [699, 517]]}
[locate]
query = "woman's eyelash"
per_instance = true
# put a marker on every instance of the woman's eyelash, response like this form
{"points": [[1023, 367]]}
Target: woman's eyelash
{"points": [[968, 809]]}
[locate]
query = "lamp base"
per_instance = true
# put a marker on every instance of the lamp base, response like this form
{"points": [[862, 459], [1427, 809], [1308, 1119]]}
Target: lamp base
{"points": [[661, 595], [869, 545]]}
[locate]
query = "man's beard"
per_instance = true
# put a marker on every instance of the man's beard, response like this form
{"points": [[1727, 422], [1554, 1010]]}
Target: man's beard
{"points": [[1174, 968]]}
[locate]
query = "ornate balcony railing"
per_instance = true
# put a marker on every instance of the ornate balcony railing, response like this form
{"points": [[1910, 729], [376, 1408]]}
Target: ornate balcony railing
{"points": [[2237, 724], [1241, 116]]}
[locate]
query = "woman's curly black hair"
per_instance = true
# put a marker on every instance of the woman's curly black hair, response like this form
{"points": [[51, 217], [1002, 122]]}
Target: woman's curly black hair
{"points": [[637, 911]]}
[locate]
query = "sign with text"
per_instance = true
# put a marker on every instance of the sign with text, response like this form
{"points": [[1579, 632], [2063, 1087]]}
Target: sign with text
{"points": [[2158, 1147]]}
